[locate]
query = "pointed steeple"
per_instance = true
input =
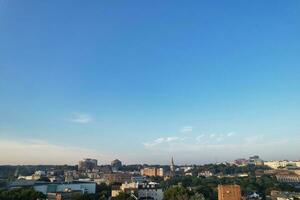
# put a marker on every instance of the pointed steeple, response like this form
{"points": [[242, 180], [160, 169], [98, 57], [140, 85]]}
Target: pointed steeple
{"points": [[172, 167]]}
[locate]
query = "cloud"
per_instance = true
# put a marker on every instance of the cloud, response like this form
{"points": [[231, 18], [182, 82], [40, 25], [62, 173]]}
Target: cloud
{"points": [[199, 137], [253, 139], [155, 142], [170, 139], [81, 118], [161, 140], [230, 134], [32, 151], [186, 129]]}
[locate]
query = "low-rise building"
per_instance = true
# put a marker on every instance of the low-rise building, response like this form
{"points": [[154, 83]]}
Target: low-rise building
{"points": [[48, 187], [241, 162], [288, 178], [152, 171], [205, 174], [149, 190], [65, 195], [283, 195], [229, 192], [278, 164], [117, 177]]}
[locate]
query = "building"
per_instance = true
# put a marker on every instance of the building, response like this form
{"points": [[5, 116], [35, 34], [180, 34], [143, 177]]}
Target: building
{"points": [[36, 176], [288, 178], [205, 174], [48, 187], [152, 171], [172, 166], [282, 195], [66, 195], [139, 179], [117, 177], [115, 190], [106, 169], [255, 160], [84, 187], [241, 162], [87, 164], [279, 164], [149, 190], [128, 188], [116, 165], [229, 192]]}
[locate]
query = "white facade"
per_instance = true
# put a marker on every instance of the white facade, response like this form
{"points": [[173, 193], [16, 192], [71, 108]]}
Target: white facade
{"points": [[155, 193], [88, 187], [143, 190], [282, 164]]}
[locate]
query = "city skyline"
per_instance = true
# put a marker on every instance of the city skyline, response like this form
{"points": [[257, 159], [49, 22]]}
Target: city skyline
{"points": [[144, 81]]}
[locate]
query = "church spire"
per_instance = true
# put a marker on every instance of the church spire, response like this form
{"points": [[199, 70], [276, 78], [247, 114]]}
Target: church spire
{"points": [[172, 167]]}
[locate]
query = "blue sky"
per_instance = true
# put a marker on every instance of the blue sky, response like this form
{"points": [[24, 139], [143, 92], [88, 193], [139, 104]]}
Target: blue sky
{"points": [[144, 80]]}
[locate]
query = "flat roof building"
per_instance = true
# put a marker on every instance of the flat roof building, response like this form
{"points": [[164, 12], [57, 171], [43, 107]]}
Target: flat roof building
{"points": [[229, 192]]}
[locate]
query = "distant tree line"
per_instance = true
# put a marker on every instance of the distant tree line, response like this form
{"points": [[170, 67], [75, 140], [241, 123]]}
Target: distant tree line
{"points": [[21, 194]]}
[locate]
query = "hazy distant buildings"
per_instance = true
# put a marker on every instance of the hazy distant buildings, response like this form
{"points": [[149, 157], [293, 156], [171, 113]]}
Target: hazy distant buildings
{"points": [[46, 187], [229, 192], [278, 164], [36, 176], [205, 174], [117, 177], [255, 160], [152, 171], [241, 162], [282, 195], [87, 164], [116, 165]]}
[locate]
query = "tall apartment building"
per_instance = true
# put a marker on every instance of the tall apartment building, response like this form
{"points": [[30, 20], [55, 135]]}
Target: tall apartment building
{"points": [[87, 164], [229, 192], [255, 160], [152, 171], [116, 165]]}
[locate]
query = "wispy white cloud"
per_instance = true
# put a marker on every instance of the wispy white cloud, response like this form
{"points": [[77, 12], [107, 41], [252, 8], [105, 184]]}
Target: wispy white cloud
{"points": [[154, 143], [230, 134], [214, 142], [186, 129], [161, 140], [81, 118], [212, 146], [32, 151], [170, 139], [253, 139], [200, 137]]}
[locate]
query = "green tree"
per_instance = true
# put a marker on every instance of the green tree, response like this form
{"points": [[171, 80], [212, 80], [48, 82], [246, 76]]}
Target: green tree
{"points": [[21, 194], [124, 196], [177, 193]]}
